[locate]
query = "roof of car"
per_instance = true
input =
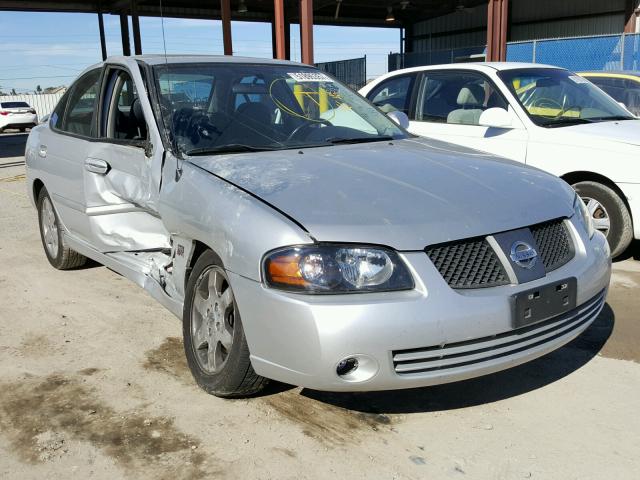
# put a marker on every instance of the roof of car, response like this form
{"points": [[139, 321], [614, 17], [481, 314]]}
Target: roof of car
{"points": [[159, 59], [605, 73]]}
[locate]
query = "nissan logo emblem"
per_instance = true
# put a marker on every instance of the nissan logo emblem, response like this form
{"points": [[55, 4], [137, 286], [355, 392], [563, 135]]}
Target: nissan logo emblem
{"points": [[523, 254]]}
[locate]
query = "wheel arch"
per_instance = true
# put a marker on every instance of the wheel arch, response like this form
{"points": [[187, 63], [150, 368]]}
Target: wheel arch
{"points": [[585, 176], [198, 249], [37, 187]]}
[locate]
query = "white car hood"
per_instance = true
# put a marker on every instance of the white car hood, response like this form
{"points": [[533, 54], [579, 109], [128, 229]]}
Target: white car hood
{"points": [[624, 131]]}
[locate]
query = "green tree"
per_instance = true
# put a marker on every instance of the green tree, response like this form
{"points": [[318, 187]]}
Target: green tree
{"points": [[13, 91], [38, 89]]}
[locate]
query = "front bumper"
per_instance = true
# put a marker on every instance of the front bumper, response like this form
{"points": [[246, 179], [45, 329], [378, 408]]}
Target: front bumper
{"points": [[300, 339]]}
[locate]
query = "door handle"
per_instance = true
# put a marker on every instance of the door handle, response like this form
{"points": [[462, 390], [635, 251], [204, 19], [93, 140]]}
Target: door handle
{"points": [[95, 165], [42, 151]]}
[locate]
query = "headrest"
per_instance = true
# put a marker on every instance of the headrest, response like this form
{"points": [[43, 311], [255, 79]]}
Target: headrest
{"points": [[136, 110], [471, 96]]}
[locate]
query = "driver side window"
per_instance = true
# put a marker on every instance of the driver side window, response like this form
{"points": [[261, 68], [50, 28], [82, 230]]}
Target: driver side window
{"points": [[124, 118]]}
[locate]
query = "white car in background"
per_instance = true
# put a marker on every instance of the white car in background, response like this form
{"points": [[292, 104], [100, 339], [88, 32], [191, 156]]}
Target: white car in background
{"points": [[540, 115], [18, 115]]}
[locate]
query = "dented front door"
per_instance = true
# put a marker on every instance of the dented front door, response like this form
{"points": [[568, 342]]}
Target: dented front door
{"points": [[121, 171]]}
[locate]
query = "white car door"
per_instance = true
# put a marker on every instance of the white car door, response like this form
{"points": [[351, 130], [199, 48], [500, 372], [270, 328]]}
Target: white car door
{"points": [[64, 147], [121, 181], [448, 105]]}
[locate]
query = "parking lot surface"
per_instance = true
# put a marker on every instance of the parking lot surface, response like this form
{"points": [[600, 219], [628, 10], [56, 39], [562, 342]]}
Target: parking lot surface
{"points": [[94, 384]]}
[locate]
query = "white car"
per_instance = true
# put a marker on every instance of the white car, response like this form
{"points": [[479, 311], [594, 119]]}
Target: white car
{"points": [[540, 115], [19, 115]]}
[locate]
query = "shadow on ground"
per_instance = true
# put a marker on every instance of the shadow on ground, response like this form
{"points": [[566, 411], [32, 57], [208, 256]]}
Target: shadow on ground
{"points": [[487, 389], [12, 145], [632, 252]]}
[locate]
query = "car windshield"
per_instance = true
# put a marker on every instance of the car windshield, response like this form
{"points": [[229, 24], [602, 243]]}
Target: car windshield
{"points": [[222, 107], [555, 98]]}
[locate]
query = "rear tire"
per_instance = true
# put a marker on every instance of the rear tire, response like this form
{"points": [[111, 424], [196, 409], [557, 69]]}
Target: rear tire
{"points": [[58, 253], [605, 204], [214, 341]]}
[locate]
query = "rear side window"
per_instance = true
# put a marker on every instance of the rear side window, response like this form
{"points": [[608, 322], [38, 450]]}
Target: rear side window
{"points": [[14, 105], [81, 106], [393, 94]]}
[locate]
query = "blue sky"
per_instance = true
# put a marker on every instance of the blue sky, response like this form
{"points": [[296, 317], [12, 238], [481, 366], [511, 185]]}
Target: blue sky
{"points": [[50, 49]]}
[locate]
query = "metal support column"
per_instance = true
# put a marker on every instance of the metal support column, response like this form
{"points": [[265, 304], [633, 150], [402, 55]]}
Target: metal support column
{"points": [[124, 33], [225, 14], [497, 24], [279, 43], [306, 31], [630, 15], [103, 42], [135, 25]]}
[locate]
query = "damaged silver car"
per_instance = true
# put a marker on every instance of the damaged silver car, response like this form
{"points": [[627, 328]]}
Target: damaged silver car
{"points": [[302, 235]]}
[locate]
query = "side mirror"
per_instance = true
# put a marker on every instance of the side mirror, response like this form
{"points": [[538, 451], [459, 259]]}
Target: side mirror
{"points": [[625, 107], [45, 119], [400, 118], [496, 118]]}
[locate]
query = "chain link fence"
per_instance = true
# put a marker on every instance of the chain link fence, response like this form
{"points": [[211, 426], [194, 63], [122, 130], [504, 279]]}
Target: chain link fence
{"points": [[606, 52], [353, 72]]}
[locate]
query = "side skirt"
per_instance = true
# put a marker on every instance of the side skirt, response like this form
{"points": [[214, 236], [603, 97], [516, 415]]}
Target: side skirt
{"points": [[134, 271]]}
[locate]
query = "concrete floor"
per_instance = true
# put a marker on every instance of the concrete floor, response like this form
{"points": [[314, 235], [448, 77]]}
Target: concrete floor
{"points": [[93, 384]]}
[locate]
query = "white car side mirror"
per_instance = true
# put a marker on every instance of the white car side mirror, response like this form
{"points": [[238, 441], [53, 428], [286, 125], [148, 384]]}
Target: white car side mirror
{"points": [[400, 118], [496, 118], [45, 119]]}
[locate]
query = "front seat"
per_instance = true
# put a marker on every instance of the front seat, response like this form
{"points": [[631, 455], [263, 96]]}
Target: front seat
{"points": [[471, 100]]}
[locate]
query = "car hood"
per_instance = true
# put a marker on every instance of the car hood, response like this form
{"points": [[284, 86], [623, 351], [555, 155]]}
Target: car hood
{"points": [[624, 131], [406, 194]]}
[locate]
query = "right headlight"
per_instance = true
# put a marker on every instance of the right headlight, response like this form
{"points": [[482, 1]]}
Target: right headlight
{"points": [[336, 269], [583, 215]]}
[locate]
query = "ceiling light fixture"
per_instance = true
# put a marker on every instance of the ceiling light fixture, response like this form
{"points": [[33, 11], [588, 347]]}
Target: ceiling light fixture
{"points": [[242, 7], [390, 17]]}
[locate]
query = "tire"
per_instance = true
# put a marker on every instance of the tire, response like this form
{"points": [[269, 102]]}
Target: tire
{"points": [[58, 253], [223, 369], [22, 130], [603, 202]]}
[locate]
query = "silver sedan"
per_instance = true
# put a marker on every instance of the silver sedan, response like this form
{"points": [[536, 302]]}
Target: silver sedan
{"points": [[304, 236]]}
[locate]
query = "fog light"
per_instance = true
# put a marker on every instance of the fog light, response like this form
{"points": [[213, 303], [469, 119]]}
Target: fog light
{"points": [[347, 366]]}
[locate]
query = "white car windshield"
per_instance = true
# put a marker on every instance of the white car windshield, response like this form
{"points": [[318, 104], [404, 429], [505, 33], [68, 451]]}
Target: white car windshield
{"points": [[555, 97], [218, 107]]}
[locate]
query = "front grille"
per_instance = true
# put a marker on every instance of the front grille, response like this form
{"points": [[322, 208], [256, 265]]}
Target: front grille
{"points": [[554, 244], [452, 356], [468, 264]]}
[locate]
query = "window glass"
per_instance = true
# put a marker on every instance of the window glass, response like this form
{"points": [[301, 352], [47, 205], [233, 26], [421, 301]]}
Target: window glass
{"points": [[14, 105], [632, 96], [393, 94], [456, 98], [555, 98], [126, 119], [263, 107], [58, 113], [81, 105]]}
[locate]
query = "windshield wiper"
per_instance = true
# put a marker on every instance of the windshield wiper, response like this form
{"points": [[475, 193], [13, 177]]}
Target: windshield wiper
{"points": [[612, 118], [339, 140], [563, 122], [231, 148]]}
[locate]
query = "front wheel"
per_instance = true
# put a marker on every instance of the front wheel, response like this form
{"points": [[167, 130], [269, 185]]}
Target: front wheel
{"points": [[609, 213], [214, 341]]}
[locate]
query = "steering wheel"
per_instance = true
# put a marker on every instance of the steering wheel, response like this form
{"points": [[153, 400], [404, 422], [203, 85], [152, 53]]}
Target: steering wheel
{"points": [[200, 127], [306, 125]]}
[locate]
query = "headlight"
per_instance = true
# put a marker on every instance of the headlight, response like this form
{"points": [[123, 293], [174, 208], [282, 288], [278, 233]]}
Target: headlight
{"points": [[336, 269], [583, 215]]}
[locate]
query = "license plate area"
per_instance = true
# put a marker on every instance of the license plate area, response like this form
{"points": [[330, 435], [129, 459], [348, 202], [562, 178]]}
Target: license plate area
{"points": [[544, 302]]}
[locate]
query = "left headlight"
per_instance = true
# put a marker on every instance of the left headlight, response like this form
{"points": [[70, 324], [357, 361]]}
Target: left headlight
{"points": [[336, 269], [583, 215]]}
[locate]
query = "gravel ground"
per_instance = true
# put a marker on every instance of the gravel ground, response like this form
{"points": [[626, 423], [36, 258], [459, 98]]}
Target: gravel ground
{"points": [[93, 384]]}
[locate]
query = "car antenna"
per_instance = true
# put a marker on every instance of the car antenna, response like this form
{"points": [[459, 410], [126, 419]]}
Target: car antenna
{"points": [[171, 126]]}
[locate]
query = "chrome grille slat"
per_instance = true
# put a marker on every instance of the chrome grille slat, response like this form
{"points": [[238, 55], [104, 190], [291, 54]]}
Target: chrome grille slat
{"points": [[481, 350]]}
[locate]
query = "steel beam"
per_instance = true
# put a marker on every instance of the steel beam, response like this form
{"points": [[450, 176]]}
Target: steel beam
{"points": [[103, 42], [306, 31], [279, 46], [225, 14], [135, 24], [124, 33], [497, 25]]}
